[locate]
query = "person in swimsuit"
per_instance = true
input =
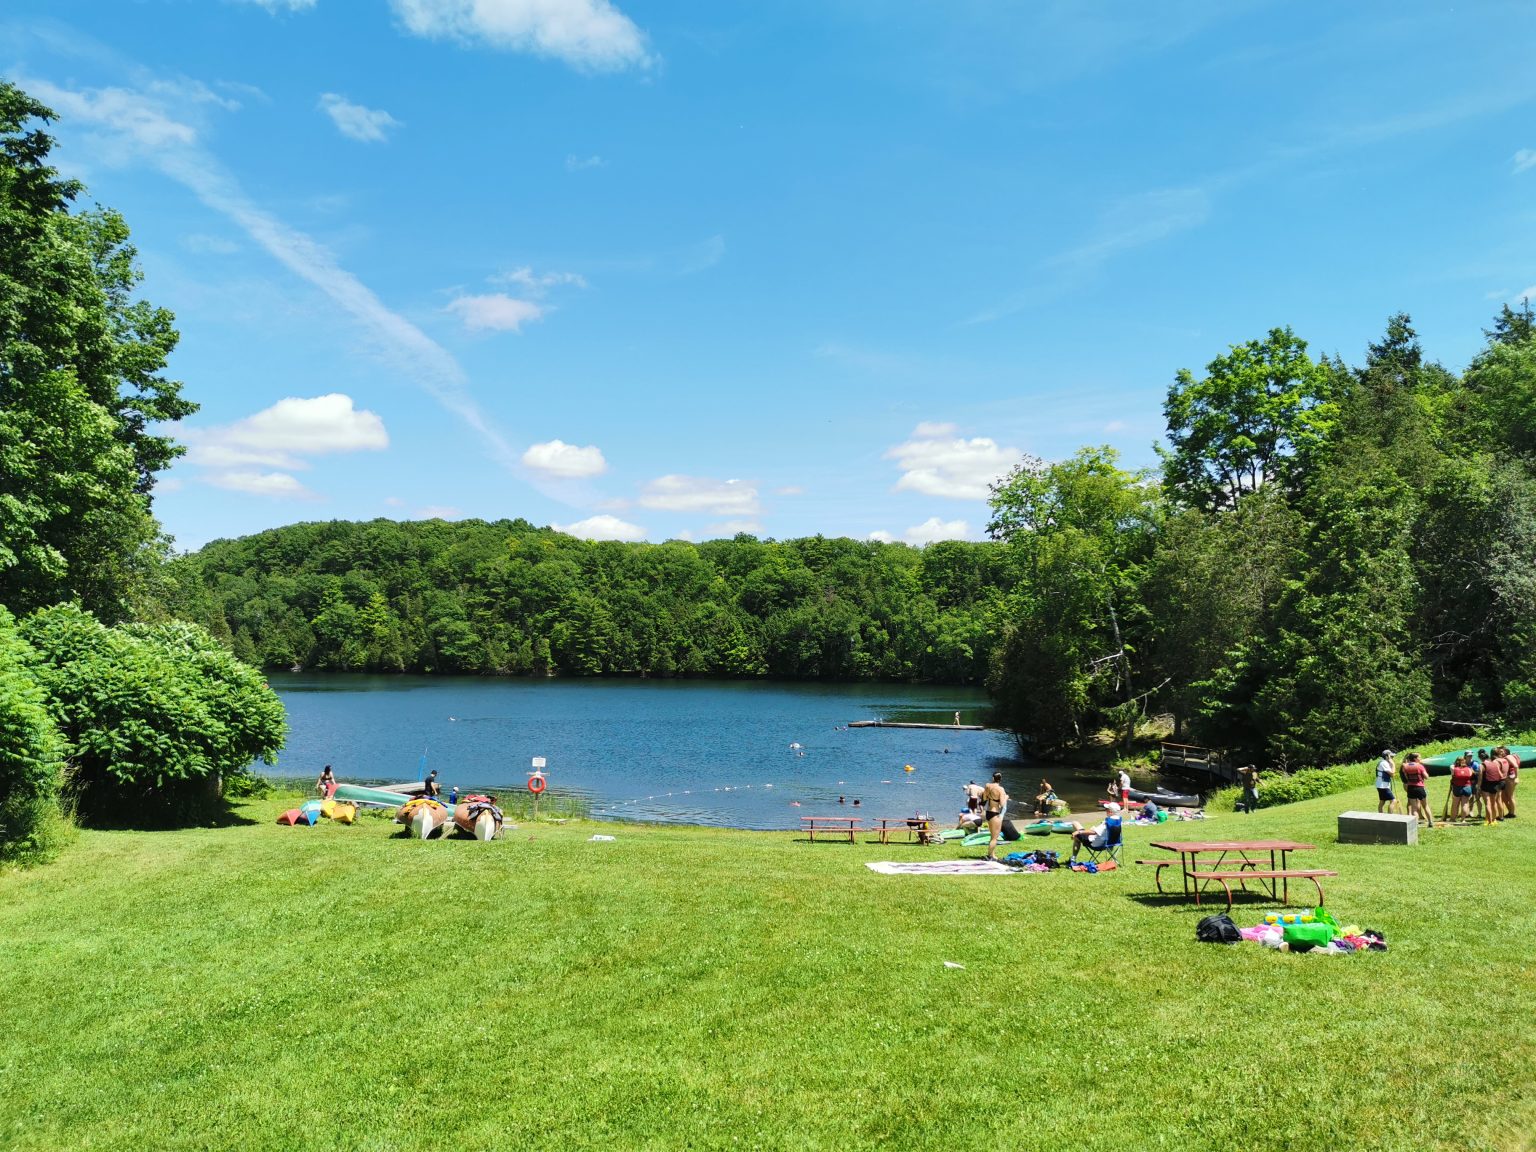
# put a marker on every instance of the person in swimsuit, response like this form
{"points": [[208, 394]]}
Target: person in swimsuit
{"points": [[326, 784], [1416, 782], [995, 802], [1045, 800]]}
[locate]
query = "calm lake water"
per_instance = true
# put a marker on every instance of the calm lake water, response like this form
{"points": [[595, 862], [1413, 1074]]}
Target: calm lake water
{"points": [[697, 752]]}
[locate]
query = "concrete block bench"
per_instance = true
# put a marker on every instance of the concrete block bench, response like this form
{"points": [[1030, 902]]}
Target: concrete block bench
{"points": [[1377, 828]]}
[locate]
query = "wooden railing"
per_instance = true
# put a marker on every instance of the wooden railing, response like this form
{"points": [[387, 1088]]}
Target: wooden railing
{"points": [[1211, 761]]}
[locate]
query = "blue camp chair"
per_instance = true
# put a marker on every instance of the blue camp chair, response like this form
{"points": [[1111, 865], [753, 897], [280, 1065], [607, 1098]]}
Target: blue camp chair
{"points": [[1111, 848]]}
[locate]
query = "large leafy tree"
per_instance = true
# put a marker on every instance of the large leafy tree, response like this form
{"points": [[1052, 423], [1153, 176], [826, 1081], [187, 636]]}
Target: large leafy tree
{"points": [[1079, 532], [1257, 409], [82, 386]]}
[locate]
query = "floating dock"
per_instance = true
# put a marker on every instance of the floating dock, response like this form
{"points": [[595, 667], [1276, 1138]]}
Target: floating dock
{"points": [[902, 724]]}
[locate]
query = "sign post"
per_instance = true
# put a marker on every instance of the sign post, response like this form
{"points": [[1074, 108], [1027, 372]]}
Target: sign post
{"points": [[537, 783]]}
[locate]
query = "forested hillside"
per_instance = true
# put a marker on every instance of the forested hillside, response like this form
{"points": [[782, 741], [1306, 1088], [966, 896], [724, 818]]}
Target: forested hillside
{"points": [[508, 598]]}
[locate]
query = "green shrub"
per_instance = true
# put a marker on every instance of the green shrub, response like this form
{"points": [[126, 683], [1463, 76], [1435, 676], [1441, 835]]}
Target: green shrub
{"points": [[154, 717], [30, 758]]}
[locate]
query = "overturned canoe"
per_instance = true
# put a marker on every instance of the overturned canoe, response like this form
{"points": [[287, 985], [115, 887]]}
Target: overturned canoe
{"points": [[377, 797], [1440, 764], [479, 817], [339, 811], [1166, 799], [423, 818]]}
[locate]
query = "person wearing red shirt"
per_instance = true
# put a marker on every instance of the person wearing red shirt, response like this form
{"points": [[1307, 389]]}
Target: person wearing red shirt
{"points": [[1462, 773], [1511, 778], [1416, 780], [1494, 771]]}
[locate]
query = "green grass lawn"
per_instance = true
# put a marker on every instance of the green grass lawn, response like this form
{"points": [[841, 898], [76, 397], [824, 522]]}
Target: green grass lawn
{"points": [[258, 986]]}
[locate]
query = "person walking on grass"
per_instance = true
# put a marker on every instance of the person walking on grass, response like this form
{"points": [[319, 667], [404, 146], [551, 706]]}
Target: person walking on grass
{"points": [[1249, 778], [1511, 778], [1416, 783], [1386, 799], [995, 800]]}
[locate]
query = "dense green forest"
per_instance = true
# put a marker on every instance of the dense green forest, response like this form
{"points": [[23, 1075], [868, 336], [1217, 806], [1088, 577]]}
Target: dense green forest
{"points": [[509, 598], [1329, 558]]}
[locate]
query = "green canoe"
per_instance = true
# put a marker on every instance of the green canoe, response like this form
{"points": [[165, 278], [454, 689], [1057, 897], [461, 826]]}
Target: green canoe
{"points": [[378, 797], [1440, 764]]}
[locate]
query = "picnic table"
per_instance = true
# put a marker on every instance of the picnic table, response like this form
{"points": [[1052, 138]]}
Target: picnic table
{"points": [[831, 825], [1203, 862], [918, 828]]}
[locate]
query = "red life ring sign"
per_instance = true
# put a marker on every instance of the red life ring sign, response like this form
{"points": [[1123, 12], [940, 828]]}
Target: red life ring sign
{"points": [[537, 783]]}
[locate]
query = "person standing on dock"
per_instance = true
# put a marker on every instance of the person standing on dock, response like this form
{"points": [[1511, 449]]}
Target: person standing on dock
{"points": [[957, 719], [995, 800]]}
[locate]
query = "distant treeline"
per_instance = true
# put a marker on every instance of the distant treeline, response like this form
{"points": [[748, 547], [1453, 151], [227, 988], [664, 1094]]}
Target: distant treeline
{"points": [[508, 598]]}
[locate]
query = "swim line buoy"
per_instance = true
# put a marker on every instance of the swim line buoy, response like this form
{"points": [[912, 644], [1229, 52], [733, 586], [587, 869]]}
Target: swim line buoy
{"points": [[537, 783]]}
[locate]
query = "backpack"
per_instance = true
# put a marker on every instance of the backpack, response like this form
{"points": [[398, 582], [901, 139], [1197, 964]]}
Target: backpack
{"points": [[1217, 929]]}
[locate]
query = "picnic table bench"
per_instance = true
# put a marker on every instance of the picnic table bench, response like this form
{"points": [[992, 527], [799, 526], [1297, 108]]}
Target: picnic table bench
{"points": [[917, 828], [831, 825], [1240, 861]]}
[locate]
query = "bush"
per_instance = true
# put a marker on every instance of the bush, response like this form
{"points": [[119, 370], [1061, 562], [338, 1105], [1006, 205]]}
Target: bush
{"points": [[30, 758], [153, 717]]}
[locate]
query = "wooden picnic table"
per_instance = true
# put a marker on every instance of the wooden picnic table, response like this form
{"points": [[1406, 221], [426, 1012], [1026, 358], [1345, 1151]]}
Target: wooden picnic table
{"points": [[918, 828], [1203, 862], [831, 825]]}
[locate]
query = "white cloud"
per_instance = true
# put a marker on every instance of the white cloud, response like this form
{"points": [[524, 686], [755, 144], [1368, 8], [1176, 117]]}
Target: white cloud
{"points": [[394, 501], [882, 536], [282, 435], [278, 484], [732, 527], [698, 494], [935, 462], [369, 125], [1115, 426], [496, 312], [587, 34], [561, 459], [1525, 159], [436, 512], [933, 529], [789, 490], [602, 528], [282, 5], [538, 285], [574, 163]]}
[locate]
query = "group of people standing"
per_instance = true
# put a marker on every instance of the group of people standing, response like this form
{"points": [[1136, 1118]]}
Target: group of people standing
{"points": [[1485, 781]]}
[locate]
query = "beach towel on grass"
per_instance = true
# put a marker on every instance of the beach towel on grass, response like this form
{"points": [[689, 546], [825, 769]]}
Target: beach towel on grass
{"points": [[941, 868]]}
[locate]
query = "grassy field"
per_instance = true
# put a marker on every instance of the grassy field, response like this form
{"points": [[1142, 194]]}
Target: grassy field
{"points": [[256, 986]]}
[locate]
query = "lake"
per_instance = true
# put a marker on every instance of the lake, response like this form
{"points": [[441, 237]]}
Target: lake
{"points": [[698, 752]]}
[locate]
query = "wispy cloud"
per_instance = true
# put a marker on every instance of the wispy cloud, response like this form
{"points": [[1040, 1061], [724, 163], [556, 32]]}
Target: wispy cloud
{"points": [[699, 494], [574, 163], [538, 284], [936, 462], [1525, 159], [591, 35], [602, 527], [275, 484], [146, 132], [496, 312], [557, 458], [280, 5], [370, 125]]}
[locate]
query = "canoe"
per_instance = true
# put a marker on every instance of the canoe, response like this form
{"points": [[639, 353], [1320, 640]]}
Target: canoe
{"points": [[423, 818], [1039, 828], [1166, 799], [478, 817], [1440, 764], [339, 811], [291, 817], [377, 797]]}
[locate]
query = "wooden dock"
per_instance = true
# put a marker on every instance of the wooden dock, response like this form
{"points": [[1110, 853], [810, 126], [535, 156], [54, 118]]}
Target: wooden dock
{"points": [[904, 724]]}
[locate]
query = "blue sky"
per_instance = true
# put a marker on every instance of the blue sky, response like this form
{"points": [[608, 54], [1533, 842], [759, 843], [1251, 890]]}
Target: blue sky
{"points": [[646, 270]]}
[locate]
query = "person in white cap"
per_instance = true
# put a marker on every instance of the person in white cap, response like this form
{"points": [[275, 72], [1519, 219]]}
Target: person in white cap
{"points": [[1386, 799], [1097, 836]]}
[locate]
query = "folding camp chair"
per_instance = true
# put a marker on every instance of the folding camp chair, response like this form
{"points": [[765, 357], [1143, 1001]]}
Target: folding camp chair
{"points": [[1111, 848]]}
